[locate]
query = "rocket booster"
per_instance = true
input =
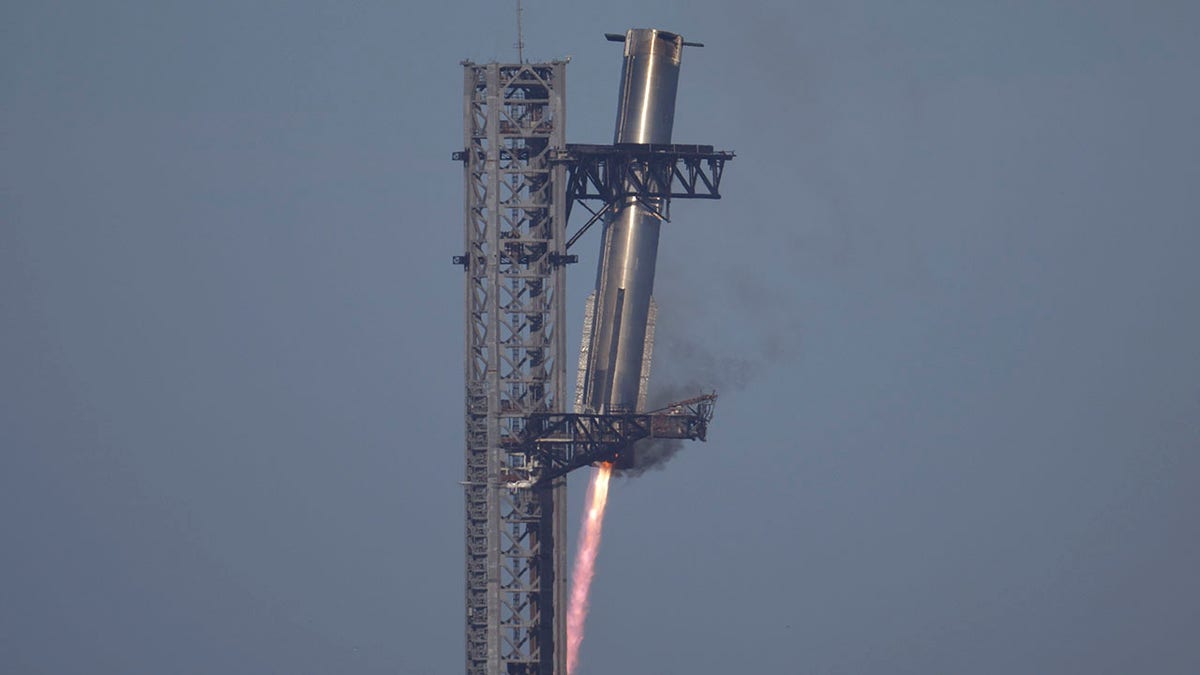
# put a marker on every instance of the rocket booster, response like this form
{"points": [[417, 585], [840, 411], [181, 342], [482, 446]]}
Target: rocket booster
{"points": [[618, 331]]}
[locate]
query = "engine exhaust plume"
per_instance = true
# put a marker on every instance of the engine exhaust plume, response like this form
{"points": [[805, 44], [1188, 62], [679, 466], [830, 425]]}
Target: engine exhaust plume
{"points": [[585, 561]]}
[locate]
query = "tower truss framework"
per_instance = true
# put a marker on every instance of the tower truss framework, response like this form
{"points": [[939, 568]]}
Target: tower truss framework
{"points": [[521, 179], [515, 219]]}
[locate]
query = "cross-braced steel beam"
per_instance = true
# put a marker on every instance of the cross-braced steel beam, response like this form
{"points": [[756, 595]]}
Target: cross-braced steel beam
{"points": [[558, 443], [652, 174], [515, 216]]}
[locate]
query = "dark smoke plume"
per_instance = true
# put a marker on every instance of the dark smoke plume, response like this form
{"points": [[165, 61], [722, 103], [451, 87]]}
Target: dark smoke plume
{"points": [[692, 359]]}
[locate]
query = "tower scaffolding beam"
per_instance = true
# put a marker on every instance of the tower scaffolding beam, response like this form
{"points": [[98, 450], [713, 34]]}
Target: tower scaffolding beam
{"points": [[515, 219]]}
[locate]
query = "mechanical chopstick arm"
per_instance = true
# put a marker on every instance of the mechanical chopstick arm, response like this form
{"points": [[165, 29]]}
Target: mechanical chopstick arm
{"points": [[558, 443]]}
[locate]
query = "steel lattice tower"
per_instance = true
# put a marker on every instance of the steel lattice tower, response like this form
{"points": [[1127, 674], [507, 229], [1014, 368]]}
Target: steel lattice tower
{"points": [[521, 179], [515, 219]]}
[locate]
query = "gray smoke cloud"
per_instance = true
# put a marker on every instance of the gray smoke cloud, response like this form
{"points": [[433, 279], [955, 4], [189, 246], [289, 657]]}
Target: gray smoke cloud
{"points": [[691, 359], [655, 453]]}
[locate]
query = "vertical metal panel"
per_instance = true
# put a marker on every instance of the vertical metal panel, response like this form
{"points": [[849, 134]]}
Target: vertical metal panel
{"points": [[555, 663], [492, 266], [478, 398]]}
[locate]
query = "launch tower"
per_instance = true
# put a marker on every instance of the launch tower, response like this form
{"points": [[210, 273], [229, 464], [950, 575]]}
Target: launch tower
{"points": [[521, 179]]}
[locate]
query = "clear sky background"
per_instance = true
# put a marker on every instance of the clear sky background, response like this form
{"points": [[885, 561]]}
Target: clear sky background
{"points": [[949, 299]]}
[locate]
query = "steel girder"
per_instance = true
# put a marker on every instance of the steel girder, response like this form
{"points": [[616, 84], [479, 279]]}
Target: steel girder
{"points": [[515, 218], [558, 443], [650, 173]]}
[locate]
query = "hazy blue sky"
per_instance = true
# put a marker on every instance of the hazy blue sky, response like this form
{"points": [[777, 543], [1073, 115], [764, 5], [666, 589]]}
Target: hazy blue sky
{"points": [[950, 300]]}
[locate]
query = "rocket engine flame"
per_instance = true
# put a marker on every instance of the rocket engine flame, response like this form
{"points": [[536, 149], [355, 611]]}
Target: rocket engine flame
{"points": [[585, 561]]}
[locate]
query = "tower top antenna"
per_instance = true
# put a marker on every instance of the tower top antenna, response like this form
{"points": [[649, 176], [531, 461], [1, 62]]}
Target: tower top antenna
{"points": [[520, 36]]}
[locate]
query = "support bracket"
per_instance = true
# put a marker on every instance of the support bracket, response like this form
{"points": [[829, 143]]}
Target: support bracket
{"points": [[559, 443]]}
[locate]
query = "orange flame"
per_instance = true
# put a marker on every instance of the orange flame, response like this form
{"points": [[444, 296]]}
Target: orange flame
{"points": [[585, 561]]}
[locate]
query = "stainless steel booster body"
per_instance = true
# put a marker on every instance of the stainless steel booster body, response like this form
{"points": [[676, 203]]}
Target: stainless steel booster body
{"points": [[617, 352]]}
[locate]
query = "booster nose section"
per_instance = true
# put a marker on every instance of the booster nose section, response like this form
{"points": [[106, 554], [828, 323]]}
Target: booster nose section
{"points": [[618, 345], [649, 80]]}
